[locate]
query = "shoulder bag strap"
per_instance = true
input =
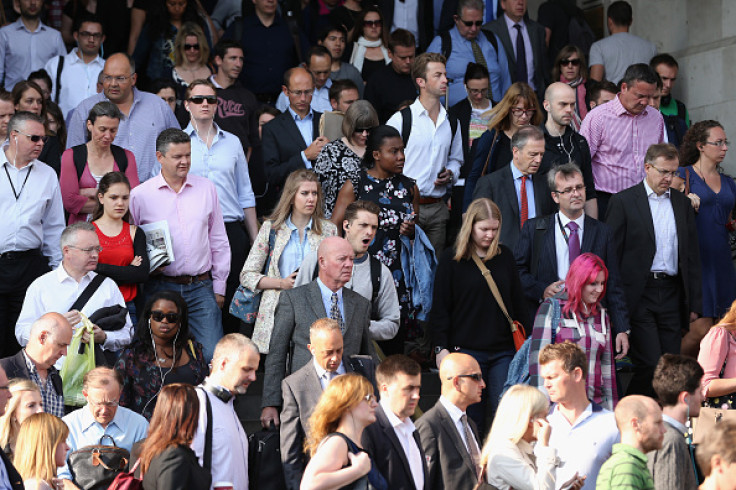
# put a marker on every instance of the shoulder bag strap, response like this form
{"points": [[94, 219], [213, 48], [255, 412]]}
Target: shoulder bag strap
{"points": [[87, 293], [494, 289], [59, 68], [687, 181], [207, 458], [490, 152]]}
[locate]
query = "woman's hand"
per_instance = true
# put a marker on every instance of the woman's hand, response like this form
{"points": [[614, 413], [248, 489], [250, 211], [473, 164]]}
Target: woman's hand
{"points": [[543, 430], [137, 260], [361, 462], [288, 282], [407, 228], [695, 201]]}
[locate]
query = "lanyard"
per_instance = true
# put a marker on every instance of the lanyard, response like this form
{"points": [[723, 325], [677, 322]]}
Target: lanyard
{"points": [[17, 194], [562, 229]]}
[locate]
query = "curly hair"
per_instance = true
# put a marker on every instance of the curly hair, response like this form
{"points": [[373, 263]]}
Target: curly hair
{"points": [[697, 135]]}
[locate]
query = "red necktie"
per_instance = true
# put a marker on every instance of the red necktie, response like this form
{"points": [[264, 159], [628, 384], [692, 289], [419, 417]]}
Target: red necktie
{"points": [[524, 204]]}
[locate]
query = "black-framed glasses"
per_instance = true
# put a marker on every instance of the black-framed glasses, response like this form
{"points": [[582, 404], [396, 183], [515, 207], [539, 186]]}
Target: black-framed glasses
{"points": [[569, 190], [719, 143], [198, 99], [471, 23], [516, 112], [477, 377], [664, 173], [369, 397], [159, 316], [187, 47], [35, 137], [373, 23], [478, 91], [93, 35], [567, 61]]}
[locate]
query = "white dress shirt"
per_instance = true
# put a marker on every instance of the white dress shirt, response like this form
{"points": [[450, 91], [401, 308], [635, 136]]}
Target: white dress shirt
{"points": [[561, 247], [36, 219], [430, 148], [78, 79], [527, 46], [324, 376], [404, 430], [665, 232], [455, 414]]}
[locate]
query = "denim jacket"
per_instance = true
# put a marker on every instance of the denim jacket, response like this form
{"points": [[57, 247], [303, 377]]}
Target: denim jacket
{"points": [[418, 263]]}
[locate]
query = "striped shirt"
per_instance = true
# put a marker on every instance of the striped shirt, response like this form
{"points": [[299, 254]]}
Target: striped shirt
{"points": [[618, 142], [53, 403], [625, 469]]}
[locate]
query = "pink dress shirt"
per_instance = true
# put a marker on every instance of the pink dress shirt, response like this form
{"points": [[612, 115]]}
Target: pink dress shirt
{"points": [[717, 347], [618, 142], [195, 223]]}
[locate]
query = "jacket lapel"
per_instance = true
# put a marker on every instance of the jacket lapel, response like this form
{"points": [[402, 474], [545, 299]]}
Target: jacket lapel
{"points": [[315, 300], [645, 212], [590, 232], [510, 188], [292, 132], [425, 470], [391, 435], [449, 427]]}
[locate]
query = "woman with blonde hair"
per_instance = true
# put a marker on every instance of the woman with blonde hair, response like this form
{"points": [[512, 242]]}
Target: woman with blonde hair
{"points": [[26, 401], [41, 449], [519, 107], [465, 315], [346, 407], [295, 228], [191, 55]]}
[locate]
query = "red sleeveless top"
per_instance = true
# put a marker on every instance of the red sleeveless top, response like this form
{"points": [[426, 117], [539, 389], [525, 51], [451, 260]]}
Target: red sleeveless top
{"points": [[118, 250]]}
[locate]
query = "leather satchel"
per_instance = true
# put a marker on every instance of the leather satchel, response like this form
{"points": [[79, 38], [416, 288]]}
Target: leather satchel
{"points": [[95, 467]]}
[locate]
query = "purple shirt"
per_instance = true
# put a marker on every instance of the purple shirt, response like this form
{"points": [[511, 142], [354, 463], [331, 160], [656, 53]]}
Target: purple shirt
{"points": [[618, 142], [195, 223]]}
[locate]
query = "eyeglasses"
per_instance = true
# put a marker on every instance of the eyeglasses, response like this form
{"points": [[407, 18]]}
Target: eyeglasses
{"points": [[373, 23], [363, 130], [88, 250], [111, 404], [159, 316], [478, 91], [516, 112], [719, 143], [369, 397], [301, 93], [198, 99], [471, 23], [569, 190], [5, 388], [665, 173], [567, 61], [120, 79], [93, 35], [35, 137], [195, 47], [477, 377]]}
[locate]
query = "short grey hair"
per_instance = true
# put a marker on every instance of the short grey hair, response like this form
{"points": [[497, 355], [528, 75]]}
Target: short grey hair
{"points": [[69, 235], [169, 136], [567, 170], [470, 5], [360, 114], [232, 345], [524, 134], [19, 119]]}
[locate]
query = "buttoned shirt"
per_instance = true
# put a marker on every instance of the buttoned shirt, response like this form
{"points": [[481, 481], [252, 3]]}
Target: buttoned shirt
{"points": [[35, 219], [320, 99], [78, 79], [295, 249], [56, 291], [306, 129], [561, 247], [404, 430], [324, 376], [4, 477], [126, 428], [196, 226], [529, 187], [327, 298], [229, 442], [456, 414], [618, 142], [584, 445], [665, 231], [406, 15], [53, 402], [23, 51], [149, 116], [682, 428], [462, 54], [430, 148], [223, 163], [527, 46]]}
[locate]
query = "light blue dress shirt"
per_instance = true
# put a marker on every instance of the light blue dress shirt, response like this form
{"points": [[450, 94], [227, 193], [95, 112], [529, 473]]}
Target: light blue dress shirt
{"points": [[305, 128], [531, 204], [327, 299], [294, 252], [4, 478], [225, 165], [23, 51]]}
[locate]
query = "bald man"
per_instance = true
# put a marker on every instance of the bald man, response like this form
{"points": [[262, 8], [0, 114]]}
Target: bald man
{"points": [[291, 141], [298, 308], [449, 437], [50, 336], [639, 419]]}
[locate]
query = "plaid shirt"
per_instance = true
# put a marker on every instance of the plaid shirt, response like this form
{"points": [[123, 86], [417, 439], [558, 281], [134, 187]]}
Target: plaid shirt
{"points": [[592, 334], [53, 403]]}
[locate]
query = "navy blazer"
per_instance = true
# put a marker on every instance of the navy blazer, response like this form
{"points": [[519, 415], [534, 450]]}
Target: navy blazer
{"points": [[539, 270], [282, 146]]}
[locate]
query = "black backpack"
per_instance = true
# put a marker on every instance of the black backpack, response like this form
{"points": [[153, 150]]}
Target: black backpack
{"points": [[406, 120], [79, 154]]}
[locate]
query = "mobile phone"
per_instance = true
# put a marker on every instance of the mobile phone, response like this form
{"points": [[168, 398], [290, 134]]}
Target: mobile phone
{"points": [[442, 170]]}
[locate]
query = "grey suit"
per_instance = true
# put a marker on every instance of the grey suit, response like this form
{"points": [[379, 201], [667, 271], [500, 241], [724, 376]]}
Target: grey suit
{"points": [[448, 460], [297, 309]]}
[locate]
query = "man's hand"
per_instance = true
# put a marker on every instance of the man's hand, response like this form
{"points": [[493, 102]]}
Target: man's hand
{"points": [[553, 289], [443, 178], [73, 317], [69, 485], [313, 150], [268, 415], [622, 345], [220, 300]]}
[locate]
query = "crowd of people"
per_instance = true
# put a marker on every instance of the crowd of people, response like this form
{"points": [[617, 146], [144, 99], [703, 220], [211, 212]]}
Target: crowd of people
{"points": [[339, 196]]}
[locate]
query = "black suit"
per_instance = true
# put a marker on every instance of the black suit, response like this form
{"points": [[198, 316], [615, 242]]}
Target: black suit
{"points": [[425, 19], [659, 308], [499, 188], [380, 441], [282, 146], [538, 267], [15, 367]]}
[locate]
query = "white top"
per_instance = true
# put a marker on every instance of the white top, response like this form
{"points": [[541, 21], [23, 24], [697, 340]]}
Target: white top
{"points": [[404, 430], [455, 414], [57, 291], [561, 247], [665, 231], [229, 442], [521, 466], [584, 445], [430, 148], [78, 79], [406, 16]]}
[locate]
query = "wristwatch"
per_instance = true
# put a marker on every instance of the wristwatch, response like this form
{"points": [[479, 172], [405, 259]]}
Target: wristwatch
{"points": [[438, 349]]}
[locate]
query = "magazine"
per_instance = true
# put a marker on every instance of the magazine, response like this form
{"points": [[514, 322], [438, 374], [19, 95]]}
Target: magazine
{"points": [[158, 244]]}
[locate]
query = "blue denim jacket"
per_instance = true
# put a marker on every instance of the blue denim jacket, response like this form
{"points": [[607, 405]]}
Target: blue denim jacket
{"points": [[418, 263]]}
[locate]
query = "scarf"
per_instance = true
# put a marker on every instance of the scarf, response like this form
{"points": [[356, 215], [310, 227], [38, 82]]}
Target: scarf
{"points": [[356, 59], [581, 108]]}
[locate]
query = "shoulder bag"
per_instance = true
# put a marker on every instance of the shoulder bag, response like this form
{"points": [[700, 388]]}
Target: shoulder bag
{"points": [[714, 410], [245, 302], [95, 467]]}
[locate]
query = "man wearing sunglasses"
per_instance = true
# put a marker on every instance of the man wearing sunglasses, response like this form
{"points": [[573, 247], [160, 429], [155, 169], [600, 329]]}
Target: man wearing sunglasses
{"points": [[466, 43]]}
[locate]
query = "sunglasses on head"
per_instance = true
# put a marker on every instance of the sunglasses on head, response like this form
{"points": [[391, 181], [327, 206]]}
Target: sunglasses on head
{"points": [[160, 315], [575, 62], [187, 47], [198, 99], [471, 23]]}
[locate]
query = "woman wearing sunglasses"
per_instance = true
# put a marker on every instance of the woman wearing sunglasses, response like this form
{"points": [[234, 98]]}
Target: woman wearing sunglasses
{"points": [[83, 166], [191, 53], [162, 352], [570, 68], [370, 40], [345, 409]]}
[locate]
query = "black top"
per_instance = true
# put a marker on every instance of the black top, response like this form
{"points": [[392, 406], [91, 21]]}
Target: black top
{"points": [[464, 312], [370, 67], [343, 16], [556, 151], [176, 468], [128, 274], [503, 155], [386, 89]]}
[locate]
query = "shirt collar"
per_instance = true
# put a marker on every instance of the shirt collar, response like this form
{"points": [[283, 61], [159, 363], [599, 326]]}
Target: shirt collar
{"points": [[675, 423], [326, 86], [565, 220], [160, 182], [296, 117], [631, 451], [29, 363], [418, 109], [649, 192], [516, 173], [88, 419], [452, 410], [321, 371], [62, 275], [4, 158], [219, 133], [289, 224], [510, 23], [76, 58], [327, 292], [588, 412], [406, 425], [620, 110], [19, 25]]}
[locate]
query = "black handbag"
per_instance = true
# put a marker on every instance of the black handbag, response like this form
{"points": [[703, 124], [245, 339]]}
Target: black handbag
{"points": [[95, 467]]}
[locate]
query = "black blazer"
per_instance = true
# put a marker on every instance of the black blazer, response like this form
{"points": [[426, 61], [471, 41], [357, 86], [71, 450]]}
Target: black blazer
{"points": [[448, 460], [176, 468], [538, 269], [15, 367], [380, 441], [282, 146], [425, 20], [14, 478], [630, 220], [499, 187]]}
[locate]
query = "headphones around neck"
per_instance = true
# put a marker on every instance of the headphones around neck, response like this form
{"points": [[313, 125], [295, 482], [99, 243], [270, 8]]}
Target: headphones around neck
{"points": [[224, 395]]}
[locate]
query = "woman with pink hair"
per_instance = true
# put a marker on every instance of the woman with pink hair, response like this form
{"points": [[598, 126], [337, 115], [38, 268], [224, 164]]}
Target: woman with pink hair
{"points": [[576, 315]]}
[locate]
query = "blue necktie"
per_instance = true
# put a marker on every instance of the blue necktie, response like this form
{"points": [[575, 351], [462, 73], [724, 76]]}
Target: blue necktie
{"points": [[521, 73]]}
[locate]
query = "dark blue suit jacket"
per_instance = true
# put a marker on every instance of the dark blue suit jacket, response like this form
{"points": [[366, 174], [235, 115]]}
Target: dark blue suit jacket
{"points": [[537, 271]]}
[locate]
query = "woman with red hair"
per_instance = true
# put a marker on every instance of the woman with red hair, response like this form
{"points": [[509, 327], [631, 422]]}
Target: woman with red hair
{"points": [[576, 315]]}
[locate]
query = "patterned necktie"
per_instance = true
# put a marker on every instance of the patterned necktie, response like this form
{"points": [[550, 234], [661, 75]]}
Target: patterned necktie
{"points": [[521, 74], [335, 312], [524, 215], [481, 60], [573, 241], [472, 446]]}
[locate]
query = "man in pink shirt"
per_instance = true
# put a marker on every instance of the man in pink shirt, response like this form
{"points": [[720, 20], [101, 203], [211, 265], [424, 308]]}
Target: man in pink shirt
{"points": [[620, 132], [201, 250]]}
